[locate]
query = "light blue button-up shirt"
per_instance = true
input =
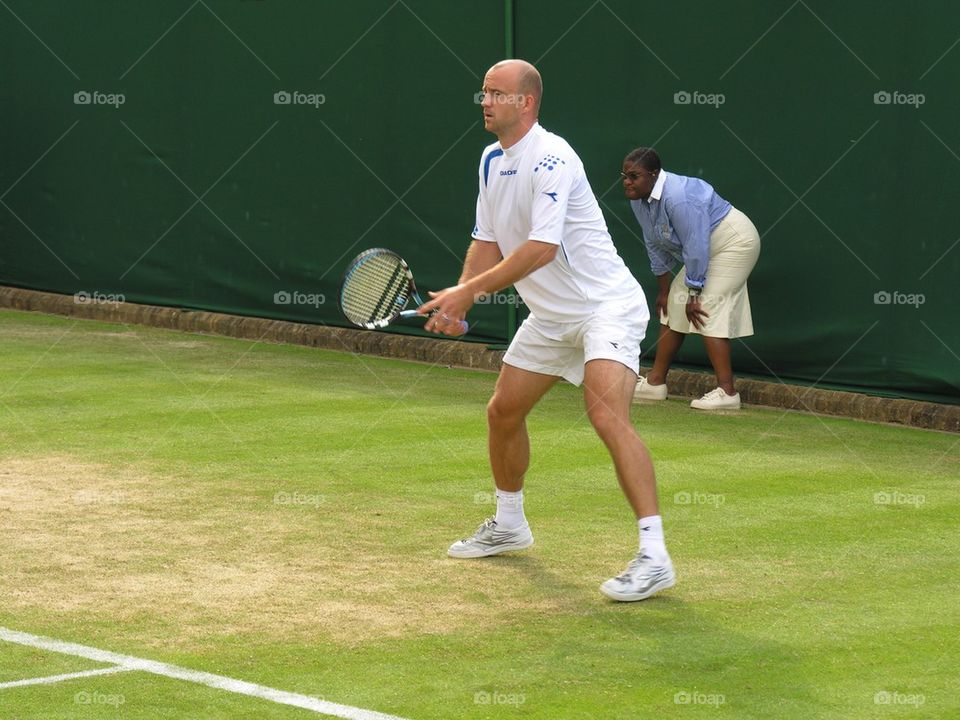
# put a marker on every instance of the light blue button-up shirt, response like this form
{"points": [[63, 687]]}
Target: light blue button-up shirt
{"points": [[677, 220]]}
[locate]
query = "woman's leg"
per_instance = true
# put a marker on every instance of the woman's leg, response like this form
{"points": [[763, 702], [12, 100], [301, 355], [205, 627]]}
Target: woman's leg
{"points": [[718, 350], [667, 346]]}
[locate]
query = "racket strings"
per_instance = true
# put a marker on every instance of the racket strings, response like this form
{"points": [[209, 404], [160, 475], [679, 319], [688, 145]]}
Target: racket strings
{"points": [[375, 289]]}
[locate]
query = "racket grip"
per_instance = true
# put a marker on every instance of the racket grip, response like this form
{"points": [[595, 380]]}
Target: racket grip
{"points": [[465, 326]]}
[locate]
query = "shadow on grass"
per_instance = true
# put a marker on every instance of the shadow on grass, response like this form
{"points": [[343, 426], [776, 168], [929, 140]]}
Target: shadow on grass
{"points": [[664, 655]]}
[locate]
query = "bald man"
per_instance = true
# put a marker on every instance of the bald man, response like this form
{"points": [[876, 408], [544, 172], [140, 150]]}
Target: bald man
{"points": [[539, 228]]}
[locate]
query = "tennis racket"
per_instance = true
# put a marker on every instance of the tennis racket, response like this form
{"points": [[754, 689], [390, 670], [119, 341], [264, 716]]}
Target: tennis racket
{"points": [[376, 288]]}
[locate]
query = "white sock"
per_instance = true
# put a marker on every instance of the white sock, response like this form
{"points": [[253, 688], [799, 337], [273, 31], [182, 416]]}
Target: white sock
{"points": [[510, 509], [651, 537]]}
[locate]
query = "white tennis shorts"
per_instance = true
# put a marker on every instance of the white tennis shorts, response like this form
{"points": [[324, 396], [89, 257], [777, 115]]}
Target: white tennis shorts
{"points": [[612, 331]]}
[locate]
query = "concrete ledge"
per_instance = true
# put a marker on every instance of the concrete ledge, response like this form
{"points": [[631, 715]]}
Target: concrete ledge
{"points": [[447, 352], [913, 413]]}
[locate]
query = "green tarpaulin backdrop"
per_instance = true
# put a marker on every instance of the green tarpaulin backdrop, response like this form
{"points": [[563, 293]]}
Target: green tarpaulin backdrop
{"points": [[232, 155]]}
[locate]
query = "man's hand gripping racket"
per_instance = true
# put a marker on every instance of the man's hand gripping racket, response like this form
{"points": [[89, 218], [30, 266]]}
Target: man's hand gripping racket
{"points": [[376, 288]]}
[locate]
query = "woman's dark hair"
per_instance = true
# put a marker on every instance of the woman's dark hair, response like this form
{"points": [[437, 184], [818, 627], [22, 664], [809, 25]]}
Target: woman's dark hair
{"points": [[647, 158]]}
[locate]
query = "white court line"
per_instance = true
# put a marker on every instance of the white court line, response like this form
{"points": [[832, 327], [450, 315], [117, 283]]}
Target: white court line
{"points": [[50, 679], [219, 682]]}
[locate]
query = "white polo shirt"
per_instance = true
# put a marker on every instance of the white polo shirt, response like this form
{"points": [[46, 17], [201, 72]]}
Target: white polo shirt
{"points": [[538, 190]]}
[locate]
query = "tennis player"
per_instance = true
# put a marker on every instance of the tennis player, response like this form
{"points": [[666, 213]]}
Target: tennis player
{"points": [[539, 227]]}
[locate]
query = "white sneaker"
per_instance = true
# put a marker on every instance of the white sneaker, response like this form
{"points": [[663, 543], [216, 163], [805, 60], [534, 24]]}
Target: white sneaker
{"points": [[717, 399], [646, 391], [642, 578], [492, 540]]}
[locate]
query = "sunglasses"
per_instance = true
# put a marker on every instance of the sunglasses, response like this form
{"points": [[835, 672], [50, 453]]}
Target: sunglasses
{"points": [[634, 176]]}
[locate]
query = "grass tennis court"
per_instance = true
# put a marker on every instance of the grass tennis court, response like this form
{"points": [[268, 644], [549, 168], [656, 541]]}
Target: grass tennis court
{"points": [[280, 515]]}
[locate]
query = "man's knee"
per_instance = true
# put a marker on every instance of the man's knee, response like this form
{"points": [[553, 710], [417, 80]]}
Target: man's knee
{"points": [[603, 421], [609, 422], [501, 412]]}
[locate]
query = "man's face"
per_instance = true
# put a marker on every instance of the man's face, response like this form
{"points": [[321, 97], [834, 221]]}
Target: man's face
{"points": [[501, 102], [637, 182]]}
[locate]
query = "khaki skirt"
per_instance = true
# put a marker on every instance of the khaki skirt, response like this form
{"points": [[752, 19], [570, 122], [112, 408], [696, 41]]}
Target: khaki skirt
{"points": [[734, 249]]}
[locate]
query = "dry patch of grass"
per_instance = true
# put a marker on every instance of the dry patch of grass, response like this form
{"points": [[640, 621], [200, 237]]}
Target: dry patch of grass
{"points": [[85, 539]]}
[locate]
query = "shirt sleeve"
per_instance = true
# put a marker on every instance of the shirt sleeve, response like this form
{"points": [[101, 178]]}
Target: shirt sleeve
{"points": [[552, 184], [691, 222], [482, 229], [483, 225], [660, 262]]}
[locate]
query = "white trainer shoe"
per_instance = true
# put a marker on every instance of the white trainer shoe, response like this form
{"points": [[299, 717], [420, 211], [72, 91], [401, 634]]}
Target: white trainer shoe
{"points": [[646, 391], [717, 399], [642, 578], [489, 539]]}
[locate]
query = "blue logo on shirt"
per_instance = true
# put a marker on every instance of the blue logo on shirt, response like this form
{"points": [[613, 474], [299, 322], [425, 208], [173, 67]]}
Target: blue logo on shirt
{"points": [[508, 172], [552, 196], [549, 162]]}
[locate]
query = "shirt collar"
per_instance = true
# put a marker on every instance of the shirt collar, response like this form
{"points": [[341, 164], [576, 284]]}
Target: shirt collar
{"points": [[657, 191], [518, 147]]}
